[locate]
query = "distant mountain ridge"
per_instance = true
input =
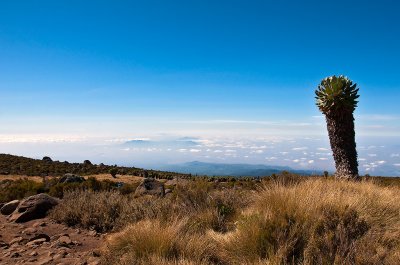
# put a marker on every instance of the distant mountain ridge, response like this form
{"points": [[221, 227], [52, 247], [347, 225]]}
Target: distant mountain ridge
{"points": [[236, 170]]}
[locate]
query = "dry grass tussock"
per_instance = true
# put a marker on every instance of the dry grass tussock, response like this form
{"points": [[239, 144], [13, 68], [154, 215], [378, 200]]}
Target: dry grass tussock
{"points": [[106, 211], [317, 221]]}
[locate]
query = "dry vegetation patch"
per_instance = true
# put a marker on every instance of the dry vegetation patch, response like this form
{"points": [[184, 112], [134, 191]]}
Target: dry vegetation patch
{"points": [[311, 222]]}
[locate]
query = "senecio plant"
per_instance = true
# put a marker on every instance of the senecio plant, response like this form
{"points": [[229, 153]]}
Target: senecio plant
{"points": [[337, 99]]}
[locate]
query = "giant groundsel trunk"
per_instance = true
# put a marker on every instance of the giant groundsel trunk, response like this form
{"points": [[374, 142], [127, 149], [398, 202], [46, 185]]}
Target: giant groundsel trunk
{"points": [[336, 98], [343, 144]]}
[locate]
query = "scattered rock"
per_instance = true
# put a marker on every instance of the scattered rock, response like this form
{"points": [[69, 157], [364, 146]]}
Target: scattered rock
{"points": [[144, 174], [39, 224], [33, 207], [36, 242], [71, 178], [29, 231], [150, 186], [47, 159], [40, 236], [16, 240], [168, 191], [92, 233], [9, 207], [96, 253], [93, 261], [33, 254], [65, 240], [45, 261], [87, 162], [40, 244], [3, 244]]}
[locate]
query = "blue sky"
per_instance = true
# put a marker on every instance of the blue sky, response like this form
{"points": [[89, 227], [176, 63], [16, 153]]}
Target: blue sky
{"points": [[225, 69]]}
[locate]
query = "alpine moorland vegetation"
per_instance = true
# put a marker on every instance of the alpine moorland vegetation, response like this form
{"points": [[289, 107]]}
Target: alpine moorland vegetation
{"points": [[317, 221], [308, 221]]}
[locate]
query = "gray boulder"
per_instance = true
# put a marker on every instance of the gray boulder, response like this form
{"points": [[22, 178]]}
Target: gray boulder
{"points": [[150, 186], [47, 159], [87, 162], [33, 207], [9, 207], [71, 178]]}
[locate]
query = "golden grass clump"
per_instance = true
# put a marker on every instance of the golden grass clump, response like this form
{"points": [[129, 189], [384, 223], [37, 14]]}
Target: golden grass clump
{"points": [[151, 242], [318, 222]]}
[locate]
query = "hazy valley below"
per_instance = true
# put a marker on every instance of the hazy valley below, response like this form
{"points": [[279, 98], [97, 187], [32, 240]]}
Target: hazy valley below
{"points": [[377, 155]]}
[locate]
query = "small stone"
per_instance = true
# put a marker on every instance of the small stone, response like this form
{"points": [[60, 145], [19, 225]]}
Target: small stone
{"points": [[45, 261], [16, 240], [76, 243], [96, 253], [36, 242], [3, 244], [39, 224], [9, 207], [15, 255], [33, 254], [94, 262], [60, 255], [92, 233], [29, 231], [40, 236], [65, 240]]}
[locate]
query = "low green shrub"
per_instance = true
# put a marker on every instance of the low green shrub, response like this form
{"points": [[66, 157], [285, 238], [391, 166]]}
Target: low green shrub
{"points": [[18, 189]]}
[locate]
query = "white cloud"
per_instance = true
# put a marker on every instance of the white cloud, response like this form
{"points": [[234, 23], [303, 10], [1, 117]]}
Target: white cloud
{"points": [[379, 117], [381, 162], [300, 148], [296, 161], [395, 155], [151, 149], [323, 149], [182, 150], [396, 165], [310, 161], [218, 151], [41, 139], [372, 155], [323, 158], [195, 150], [230, 151]]}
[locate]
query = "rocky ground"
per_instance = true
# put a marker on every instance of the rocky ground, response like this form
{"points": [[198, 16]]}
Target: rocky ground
{"points": [[42, 241]]}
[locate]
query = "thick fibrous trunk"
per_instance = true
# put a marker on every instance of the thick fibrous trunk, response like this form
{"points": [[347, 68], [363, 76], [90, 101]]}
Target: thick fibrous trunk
{"points": [[343, 144]]}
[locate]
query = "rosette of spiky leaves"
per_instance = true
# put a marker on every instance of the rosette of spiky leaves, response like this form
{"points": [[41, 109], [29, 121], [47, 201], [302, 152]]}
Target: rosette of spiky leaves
{"points": [[336, 94]]}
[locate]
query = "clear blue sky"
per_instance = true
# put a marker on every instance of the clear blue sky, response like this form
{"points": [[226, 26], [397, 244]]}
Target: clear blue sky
{"points": [[119, 67]]}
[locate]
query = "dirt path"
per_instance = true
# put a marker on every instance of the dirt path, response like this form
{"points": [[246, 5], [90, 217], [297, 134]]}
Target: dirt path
{"points": [[45, 242]]}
